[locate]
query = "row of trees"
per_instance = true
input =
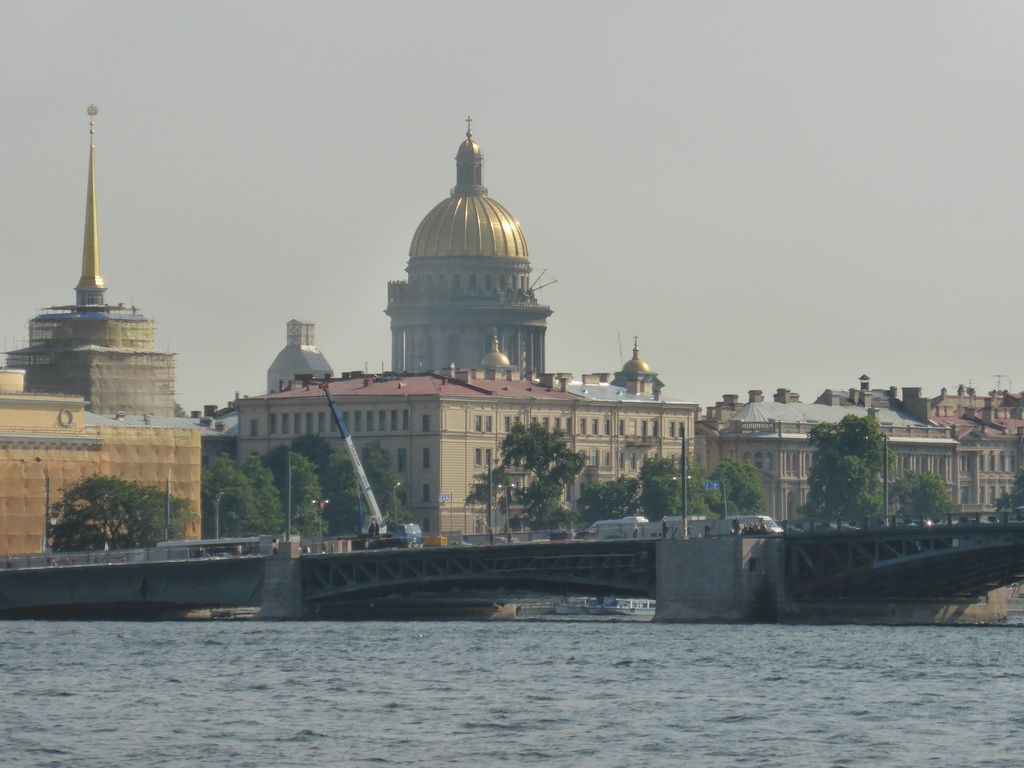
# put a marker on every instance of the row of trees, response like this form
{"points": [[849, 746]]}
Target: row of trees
{"points": [[544, 457], [846, 480], [316, 482]]}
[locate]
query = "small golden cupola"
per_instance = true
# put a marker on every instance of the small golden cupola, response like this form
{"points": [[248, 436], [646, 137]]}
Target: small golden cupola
{"points": [[636, 376], [636, 365], [494, 359]]}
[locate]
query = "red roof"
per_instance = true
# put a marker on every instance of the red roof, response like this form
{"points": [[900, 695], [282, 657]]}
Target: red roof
{"points": [[407, 385]]}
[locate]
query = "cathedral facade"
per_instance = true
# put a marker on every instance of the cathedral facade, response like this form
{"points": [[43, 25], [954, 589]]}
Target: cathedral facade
{"points": [[468, 283]]}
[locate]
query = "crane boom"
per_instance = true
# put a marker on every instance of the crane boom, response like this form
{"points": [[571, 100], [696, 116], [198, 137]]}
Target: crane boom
{"points": [[364, 482]]}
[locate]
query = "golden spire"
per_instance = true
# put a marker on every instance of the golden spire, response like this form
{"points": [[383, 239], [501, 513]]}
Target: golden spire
{"points": [[90, 288]]}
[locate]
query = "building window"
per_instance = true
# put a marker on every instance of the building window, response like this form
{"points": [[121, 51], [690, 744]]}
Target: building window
{"points": [[489, 424], [654, 429], [285, 423], [632, 426], [622, 426], [508, 423], [558, 423], [607, 459], [478, 456], [369, 421], [583, 426], [479, 423], [593, 427], [607, 426], [309, 423], [426, 458], [344, 417], [547, 423], [358, 425], [320, 422], [632, 461], [400, 460], [671, 429], [394, 421], [643, 428], [254, 428], [593, 457], [426, 492], [273, 423], [426, 422], [622, 460], [405, 421]]}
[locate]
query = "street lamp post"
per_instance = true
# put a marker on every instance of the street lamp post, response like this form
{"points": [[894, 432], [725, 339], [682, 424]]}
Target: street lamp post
{"points": [[216, 514], [394, 500], [46, 509]]}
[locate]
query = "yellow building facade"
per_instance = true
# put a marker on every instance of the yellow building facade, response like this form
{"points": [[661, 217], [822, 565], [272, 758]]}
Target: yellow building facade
{"points": [[49, 441]]}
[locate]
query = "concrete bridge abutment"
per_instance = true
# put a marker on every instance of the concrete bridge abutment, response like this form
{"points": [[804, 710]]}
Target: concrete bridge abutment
{"points": [[742, 579]]}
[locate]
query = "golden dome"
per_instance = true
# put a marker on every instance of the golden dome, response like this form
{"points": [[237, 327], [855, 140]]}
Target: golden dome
{"points": [[469, 223], [636, 365], [494, 358]]}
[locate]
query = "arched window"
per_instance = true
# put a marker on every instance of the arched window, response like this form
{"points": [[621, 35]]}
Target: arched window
{"points": [[758, 460]]}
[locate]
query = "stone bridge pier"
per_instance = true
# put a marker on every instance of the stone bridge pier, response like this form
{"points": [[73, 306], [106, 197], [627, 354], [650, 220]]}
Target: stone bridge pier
{"points": [[734, 579]]}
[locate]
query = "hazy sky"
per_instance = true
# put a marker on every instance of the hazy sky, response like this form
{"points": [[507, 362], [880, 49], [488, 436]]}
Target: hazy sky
{"points": [[768, 194]]}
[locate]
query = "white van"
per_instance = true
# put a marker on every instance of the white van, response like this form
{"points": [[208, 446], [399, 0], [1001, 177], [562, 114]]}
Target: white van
{"points": [[738, 524], [623, 528]]}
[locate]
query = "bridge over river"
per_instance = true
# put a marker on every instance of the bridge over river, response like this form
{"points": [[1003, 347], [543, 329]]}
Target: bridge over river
{"points": [[902, 575]]}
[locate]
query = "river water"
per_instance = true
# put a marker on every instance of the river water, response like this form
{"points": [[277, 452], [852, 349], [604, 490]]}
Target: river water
{"points": [[586, 694]]}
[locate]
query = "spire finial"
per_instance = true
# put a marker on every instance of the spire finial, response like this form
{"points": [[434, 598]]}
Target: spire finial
{"points": [[92, 111], [469, 127]]}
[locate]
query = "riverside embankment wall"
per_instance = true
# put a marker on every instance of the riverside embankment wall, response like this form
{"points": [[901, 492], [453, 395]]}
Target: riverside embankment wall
{"points": [[732, 579]]}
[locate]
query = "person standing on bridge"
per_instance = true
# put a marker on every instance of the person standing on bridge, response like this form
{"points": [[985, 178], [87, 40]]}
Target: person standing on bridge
{"points": [[636, 530]]}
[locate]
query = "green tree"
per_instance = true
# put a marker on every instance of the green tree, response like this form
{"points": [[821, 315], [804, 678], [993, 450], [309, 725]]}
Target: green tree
{"points": [[99, 511], [1013, 502], [616, 498], [845, 480], [339, 486], [661, 491], [268, 500], [295, 471], [550, 465], [923, 495], [245, 505], [740, 483]]}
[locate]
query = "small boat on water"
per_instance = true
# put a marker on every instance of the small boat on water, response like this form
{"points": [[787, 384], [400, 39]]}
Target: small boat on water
{"points": [[605, 606]]}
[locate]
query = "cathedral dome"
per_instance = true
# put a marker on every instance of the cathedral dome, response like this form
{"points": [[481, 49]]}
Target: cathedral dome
{"points": [[469, 223]]}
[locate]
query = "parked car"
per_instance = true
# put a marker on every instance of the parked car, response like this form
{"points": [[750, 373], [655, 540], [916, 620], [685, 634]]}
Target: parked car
{"points": [[407, 534]]}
